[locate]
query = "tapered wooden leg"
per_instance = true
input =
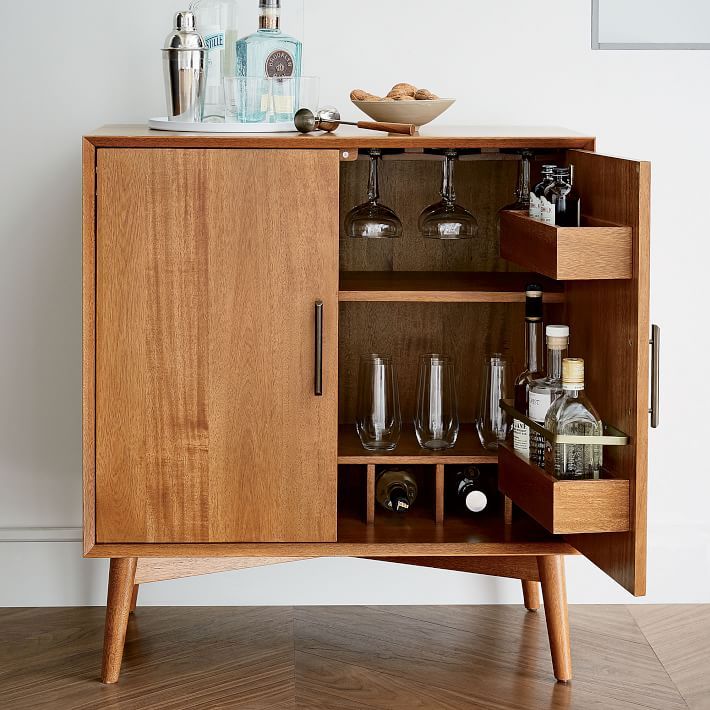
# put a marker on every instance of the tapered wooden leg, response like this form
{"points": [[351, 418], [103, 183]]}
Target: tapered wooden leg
{"points": [[531, 595], [134, 597], [554, 595], [118, 606]]}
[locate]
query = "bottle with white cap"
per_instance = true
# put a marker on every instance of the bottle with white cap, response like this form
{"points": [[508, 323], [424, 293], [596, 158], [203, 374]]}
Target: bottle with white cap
{"points": [[544, 391], [573, 415], [472, 490]]}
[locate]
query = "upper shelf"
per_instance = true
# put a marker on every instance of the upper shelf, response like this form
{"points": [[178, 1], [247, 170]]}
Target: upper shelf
{"points": [[438, 136], [443, 287]]}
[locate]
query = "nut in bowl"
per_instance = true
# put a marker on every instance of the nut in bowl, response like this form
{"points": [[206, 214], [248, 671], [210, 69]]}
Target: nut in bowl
{"points": [[405, 103]]}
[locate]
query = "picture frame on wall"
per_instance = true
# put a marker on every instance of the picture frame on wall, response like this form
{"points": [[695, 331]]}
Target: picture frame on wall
{"points": [[650, 24]]}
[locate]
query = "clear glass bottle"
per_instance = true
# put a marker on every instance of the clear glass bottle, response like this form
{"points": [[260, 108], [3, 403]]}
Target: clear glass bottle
{"points": [[217, 23], [573, 415], [472, 489], [544, 391], [534, 368], [567, 204], [272, 55], [546, 180], [396, 490]]}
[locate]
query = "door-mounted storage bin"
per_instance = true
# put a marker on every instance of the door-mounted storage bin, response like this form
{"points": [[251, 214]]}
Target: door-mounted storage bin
{"points": [[596, 250], [561, 505]]}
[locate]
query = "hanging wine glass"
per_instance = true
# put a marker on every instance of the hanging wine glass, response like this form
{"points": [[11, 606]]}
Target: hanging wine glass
{"points": [[522, 191], [446, 219], [373, 220]]}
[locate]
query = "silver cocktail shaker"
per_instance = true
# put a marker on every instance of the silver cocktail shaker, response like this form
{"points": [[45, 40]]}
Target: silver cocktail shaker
{"points": [[184, 63]]}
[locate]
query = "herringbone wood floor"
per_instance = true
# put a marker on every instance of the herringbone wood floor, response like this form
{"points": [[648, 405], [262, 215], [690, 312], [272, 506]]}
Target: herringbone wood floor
{"points": [[397, 658]]}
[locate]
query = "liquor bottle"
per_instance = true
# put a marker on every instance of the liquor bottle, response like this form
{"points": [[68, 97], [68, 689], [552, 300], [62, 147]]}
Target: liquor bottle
{"points": [[544, 391], [217, 23], [567, 205], [472, 489], [546, 181], [573, 415], [533, 366], [270, 54], [396, 490]]}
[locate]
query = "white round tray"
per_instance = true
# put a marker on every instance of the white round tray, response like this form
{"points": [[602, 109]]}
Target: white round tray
{"points": [[162, 124]]}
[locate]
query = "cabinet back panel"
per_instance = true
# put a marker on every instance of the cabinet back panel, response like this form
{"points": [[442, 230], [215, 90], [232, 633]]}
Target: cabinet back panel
{"points": [[208, 269]]}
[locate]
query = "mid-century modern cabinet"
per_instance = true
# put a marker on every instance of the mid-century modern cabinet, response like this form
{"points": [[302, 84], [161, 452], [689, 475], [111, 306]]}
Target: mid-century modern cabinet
{"points": [[206, 445]]}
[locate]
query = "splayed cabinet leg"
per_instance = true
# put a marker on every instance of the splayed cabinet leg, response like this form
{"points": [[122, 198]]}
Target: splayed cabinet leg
{"points": [[531, 595], [118, 606], [554, 595], [134, 597]]}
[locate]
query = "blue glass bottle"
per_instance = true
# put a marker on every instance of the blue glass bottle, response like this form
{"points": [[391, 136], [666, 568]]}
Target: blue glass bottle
{"points": [[269, 61]]}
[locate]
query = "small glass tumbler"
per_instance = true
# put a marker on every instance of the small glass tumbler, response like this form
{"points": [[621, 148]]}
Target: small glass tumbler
{"points": [[379, 419], [436, 421], [492, 423]]}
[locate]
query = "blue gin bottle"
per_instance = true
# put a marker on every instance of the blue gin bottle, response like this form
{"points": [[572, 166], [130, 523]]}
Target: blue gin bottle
{"points": [[269, 63]]}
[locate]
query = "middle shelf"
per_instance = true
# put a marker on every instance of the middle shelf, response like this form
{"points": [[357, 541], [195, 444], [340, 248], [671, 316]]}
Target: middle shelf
{"points": [[468, 449], [444, 287]]}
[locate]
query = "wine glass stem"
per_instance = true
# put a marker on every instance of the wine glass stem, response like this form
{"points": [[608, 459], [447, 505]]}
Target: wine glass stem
{"points": [[373, 190], [447, 187]]}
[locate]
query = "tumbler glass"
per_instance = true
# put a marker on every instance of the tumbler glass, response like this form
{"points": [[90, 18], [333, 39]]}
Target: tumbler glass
{"points": [[492, 422], [436, 421], [379, 420]]}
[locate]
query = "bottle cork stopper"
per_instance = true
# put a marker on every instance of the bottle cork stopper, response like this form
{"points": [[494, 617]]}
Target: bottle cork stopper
{"points": [[573, 372]]}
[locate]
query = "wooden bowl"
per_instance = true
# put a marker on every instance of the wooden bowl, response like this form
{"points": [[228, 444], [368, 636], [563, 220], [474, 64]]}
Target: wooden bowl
{"points": [[417, 112]]}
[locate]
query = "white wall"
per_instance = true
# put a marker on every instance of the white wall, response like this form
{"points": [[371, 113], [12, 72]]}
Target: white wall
{"points": [[69, 67]]}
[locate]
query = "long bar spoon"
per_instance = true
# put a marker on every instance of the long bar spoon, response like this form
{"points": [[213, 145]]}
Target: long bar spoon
{"points": [[328, 119]]}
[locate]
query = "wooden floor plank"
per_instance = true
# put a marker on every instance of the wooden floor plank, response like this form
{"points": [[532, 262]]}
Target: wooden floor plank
{"points": [[680, 636], [335, 658]]}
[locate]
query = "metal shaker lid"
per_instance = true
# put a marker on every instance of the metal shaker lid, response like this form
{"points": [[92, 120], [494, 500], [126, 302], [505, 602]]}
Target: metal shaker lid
{"points": [[272, 4], [184, 35]]}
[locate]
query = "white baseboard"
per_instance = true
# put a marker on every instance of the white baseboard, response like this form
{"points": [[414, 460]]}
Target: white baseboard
{"points": [[22, 534]]}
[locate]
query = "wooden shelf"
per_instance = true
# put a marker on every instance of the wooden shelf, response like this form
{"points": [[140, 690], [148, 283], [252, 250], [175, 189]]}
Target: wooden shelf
{"points": [[563, 506], [443, 287], [417, 528], [597, 250], [468, 450]]}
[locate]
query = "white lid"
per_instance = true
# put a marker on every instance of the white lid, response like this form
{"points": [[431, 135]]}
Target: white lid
{"points": [[476, 501], [557, 331]]}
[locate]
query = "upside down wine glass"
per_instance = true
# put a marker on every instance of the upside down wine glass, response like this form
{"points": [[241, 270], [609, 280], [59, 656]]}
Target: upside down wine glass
{"points": [[373, 220], [446, 219]]}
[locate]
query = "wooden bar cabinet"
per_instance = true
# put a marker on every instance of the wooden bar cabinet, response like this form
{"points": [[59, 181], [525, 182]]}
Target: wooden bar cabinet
{"points": [[205, 445]]}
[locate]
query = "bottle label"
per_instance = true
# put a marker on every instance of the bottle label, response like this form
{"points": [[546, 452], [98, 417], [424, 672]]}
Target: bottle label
{"points": [[279, 64], [521, 438], [547, 211], [535, 210], [214, 40], [538, 404]]}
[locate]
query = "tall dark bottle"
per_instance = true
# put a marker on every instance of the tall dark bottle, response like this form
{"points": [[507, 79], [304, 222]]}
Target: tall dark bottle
{"points": [[396, 490], [534, 367], [473, 489], [567, 204]]}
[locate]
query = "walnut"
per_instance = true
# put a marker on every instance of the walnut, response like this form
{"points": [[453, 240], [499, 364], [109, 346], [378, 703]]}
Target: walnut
{"points": [[408, 89], [425, 95], [360, 95]]}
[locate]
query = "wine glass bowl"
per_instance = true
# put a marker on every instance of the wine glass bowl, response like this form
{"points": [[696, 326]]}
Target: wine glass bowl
{"points": [[373, 220], [446, 219]]}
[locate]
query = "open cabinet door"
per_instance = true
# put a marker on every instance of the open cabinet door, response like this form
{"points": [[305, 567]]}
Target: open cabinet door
{"points": [[609, 323]]}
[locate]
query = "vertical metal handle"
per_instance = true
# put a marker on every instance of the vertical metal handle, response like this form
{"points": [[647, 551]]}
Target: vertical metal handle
{"points": [[655, 344], [318, 379]]}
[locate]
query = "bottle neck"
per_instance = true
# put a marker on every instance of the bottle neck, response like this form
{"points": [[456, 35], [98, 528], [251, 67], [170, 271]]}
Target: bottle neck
{"points": [[270, 20], [572, 392], [555, 356], [533, 345], [373, 189], [399, 499]]}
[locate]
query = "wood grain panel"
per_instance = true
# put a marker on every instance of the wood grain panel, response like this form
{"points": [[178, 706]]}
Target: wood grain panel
{"points": [[435, 136], [88, 344], [567, 253], [616, 367], [513, 567], [208, 272], [152, 569], [563, 506]]}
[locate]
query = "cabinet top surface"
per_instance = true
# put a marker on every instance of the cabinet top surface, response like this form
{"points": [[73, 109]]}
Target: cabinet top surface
{"points": [[140, 136]]}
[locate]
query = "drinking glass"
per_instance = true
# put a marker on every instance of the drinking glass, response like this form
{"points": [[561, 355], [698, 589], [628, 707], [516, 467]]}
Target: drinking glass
{"points": [[492, 423], [373, 220], [522, 191], [446, 219], [436, 421], [379, 420]]}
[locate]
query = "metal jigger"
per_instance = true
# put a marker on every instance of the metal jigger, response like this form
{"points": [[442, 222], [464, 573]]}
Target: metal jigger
{"points": [[328, 119]]}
